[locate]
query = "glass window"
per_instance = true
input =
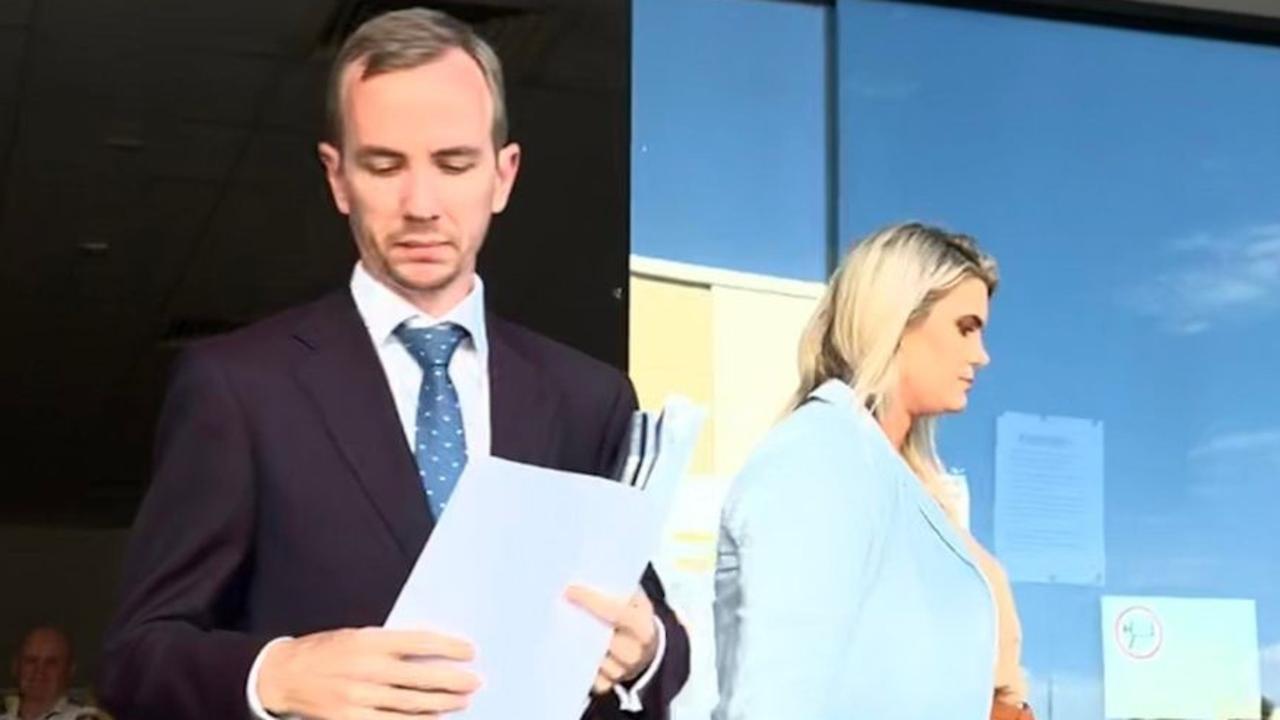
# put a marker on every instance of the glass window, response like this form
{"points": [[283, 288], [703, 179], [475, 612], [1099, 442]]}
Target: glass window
{"points": [[729, 135], [1127, 182]]}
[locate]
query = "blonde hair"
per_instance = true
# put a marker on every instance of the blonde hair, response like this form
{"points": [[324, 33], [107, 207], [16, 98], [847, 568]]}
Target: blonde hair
{"points": [[888, 281]]}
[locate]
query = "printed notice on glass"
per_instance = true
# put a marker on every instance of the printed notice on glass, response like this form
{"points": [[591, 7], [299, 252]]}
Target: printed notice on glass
{"points": [[1049, 499]]}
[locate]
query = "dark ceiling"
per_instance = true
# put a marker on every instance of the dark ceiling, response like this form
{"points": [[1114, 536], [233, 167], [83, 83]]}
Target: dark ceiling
{"points": [[160, 183]]}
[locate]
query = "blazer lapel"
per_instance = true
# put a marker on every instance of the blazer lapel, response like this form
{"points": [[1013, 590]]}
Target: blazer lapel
{"points": [[835, 391], [937, 518], [343, 376], [523, 415]]}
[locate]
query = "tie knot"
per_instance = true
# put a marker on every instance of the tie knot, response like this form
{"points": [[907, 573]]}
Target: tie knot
{"points": [[432, 346]]}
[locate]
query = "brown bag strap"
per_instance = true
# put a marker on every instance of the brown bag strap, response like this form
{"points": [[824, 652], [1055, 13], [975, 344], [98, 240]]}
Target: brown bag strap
{"points": [[1005, 711]]}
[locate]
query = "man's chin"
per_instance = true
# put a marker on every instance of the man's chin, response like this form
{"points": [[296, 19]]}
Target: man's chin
{"points": [[427, 278]]}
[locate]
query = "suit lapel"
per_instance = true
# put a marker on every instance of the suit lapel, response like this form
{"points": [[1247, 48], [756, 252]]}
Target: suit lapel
{"points": [[343, 376], [523, 415]]}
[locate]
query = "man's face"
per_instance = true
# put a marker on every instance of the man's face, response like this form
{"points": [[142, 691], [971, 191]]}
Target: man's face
{"points": [[418, 175], [43, 666]]}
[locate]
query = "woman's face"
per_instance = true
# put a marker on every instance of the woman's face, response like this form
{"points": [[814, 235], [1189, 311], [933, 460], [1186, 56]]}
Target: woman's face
{"points": [[940, 355]]}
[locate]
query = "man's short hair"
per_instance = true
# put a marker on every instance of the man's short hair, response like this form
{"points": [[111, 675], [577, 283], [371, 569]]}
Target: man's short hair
{"points": [[406, 39]]}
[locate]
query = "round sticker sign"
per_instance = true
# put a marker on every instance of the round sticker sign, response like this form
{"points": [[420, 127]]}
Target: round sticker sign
{"points": [[1138, 632]]}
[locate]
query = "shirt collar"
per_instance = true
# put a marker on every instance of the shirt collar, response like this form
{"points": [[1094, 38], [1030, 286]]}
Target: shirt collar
{"points": [[11, 705], [63, 705], [383, 311], [834, 391]]}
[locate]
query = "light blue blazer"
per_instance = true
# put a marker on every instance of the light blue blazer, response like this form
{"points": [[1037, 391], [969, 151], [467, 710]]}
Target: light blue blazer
{"points": [[842, 591]]}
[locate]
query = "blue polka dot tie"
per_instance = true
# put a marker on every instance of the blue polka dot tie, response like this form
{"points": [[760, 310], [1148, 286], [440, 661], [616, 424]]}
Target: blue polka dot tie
{"points": [[440, 443]]}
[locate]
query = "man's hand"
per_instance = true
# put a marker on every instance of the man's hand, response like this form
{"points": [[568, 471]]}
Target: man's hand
{"points": [[635, 641], [366, 673]]}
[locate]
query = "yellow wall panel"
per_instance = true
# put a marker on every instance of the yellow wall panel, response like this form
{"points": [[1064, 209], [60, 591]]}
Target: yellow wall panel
{"points": [[671, 350], [756, 334]]}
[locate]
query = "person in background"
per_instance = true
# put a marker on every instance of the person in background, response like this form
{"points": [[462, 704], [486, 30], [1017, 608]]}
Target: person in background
{"points": [[42, 669], [846, 586]]}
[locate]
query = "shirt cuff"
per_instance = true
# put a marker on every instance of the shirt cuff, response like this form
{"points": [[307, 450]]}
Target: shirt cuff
{"points": [[251, 686], [629, 698]]}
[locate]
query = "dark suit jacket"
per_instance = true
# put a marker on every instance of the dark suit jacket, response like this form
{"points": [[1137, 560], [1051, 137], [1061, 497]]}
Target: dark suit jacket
{"points": [[285, 501]]}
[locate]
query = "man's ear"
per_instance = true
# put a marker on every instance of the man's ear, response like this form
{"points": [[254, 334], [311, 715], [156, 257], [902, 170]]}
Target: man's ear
{"points": [[508, 168], [331, 158]]}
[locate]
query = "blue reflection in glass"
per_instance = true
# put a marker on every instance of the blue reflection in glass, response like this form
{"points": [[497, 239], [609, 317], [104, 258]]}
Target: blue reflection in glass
{"points": [[729, 135], [1127, 182]]}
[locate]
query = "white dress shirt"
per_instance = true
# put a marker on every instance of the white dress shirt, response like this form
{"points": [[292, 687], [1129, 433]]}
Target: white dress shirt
{"points": [[382, 311]]}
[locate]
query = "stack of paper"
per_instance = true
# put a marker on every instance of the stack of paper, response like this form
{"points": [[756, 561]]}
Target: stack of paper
{"points": [[496, 567]]}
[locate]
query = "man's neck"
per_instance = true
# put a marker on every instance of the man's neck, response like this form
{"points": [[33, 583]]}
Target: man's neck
{"points": [[435, 303], [29, 709]]}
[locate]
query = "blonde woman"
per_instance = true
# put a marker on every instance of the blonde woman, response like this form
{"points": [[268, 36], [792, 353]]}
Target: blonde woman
{"points": [[845, 585]]}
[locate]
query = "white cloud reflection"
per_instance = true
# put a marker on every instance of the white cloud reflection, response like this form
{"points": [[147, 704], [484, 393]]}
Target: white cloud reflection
{"points": [[1210, 279]]}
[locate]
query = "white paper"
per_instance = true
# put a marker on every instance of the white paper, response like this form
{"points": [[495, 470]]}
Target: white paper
{"points": [[1049, 499], [1180, 658], [496, 568]]}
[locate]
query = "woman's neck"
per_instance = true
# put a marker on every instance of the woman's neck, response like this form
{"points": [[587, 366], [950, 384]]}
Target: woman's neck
{"points": [[896, 424]]}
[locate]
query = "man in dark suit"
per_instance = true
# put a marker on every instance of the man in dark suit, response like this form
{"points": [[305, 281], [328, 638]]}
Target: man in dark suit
{"points": [[301, 461]]}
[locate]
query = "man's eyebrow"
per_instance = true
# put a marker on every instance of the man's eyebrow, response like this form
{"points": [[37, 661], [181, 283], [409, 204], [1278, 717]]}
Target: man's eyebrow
{"points": [[461, 152], [375, 152]]}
